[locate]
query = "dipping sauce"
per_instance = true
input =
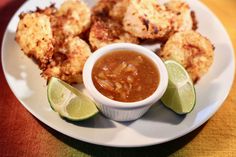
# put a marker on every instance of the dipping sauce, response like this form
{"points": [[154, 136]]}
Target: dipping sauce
{"points": [[125, 76]]}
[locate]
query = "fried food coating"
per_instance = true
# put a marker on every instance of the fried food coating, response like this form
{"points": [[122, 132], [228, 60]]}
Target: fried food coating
{"points": [[118, 10], [50, 36], [67, 64], [104, 32], [114, 9], [49, 11], [107, 28], [73, 17], [101, 10], [190, 49], [184, 19], [147, 19], [34, 35]]}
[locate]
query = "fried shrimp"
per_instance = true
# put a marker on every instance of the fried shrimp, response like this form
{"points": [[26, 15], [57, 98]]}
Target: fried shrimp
{"points": [[34, 35], [107, 32], [51, 36], [101, 9], [73, 17], [190, 49], [49, 11], [68, 63], [184, 19], [147, 19], [118, 10], [114, 9]]}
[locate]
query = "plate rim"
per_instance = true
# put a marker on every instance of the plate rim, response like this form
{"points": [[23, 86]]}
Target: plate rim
{"points": [[184, 132]]}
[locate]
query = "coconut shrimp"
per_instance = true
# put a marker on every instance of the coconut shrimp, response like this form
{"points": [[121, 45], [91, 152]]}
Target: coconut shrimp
{"points": [[34, 35], [67, 64], [118, 10], [114, 9], [104, 32], [51, 37], [101, 9], [147, 19], [190, 49], [71, 19], [184, 18]]}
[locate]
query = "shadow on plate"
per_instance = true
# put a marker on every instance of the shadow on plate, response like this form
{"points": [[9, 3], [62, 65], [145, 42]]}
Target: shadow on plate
{"points": [[159, 113], [97, 121]]}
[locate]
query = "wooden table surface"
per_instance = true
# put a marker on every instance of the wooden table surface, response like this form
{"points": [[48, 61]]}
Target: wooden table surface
{"points": [[21, 134]]}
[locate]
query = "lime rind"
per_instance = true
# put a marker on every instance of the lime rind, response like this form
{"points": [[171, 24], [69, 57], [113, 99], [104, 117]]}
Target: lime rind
{"points": [[188, 94], [180, 95], [69, 102]]}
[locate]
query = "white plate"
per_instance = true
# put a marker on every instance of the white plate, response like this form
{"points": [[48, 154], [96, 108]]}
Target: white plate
{"points": [[158, 125]]}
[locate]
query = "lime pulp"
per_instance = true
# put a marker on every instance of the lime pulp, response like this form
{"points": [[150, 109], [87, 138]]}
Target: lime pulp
{"points": [[68, 101]]}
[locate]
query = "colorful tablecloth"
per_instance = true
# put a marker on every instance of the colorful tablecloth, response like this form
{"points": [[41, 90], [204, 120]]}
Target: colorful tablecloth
{"points": [[21, 134]]}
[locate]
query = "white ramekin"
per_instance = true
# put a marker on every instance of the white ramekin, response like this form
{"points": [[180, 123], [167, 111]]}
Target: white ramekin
{"points": [[124, 111]]}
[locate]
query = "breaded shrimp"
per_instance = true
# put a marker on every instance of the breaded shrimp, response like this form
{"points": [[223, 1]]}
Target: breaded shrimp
{"points": [[34, 35], [68, 63], [107, 24], [114, 9], [184, 19], [117, 12], [107, 32], [50, 36], [101, 9], [147, 19], [73, 17], [49, 11], [190, 49]]}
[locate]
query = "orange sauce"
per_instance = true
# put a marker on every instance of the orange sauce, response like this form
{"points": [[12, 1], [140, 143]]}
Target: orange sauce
{"points": [[125, 76]]}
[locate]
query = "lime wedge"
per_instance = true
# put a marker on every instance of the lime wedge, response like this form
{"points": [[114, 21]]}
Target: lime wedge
{"points": [[69, 102], [180, 95]]}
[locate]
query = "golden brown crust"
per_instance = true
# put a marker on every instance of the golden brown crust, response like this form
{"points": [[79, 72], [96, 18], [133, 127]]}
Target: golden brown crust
{"points": [[49, 11], [34, 35], [104, 32], [147, 19], [50, 36], [184, 19], [190, 49], [119, 9], [71, 19], [194, 19], [113, 9], [68, 63]]}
